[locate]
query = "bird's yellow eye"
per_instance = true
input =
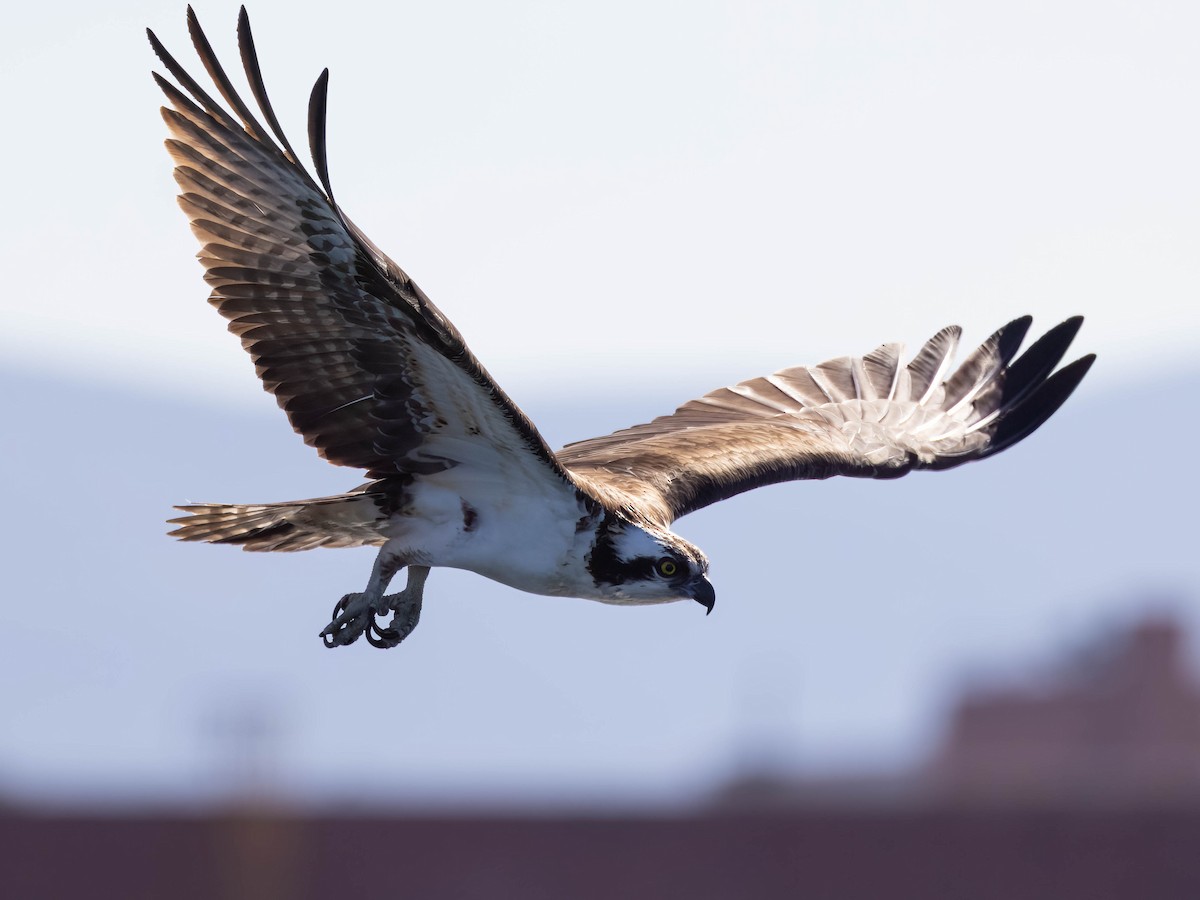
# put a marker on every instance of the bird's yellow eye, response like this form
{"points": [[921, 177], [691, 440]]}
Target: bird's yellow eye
{"points": [[667, 567]]}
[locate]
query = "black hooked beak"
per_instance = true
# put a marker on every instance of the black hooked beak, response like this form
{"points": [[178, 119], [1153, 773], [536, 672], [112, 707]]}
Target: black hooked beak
{"points": [[702, 592]]}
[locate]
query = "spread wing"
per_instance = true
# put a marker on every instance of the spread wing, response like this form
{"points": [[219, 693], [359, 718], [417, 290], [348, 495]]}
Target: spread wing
{"points": [[865, 416], [367, 369]]}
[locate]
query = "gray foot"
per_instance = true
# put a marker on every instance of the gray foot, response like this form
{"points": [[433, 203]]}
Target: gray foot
{"points": [[407, 607], [354, 615]]}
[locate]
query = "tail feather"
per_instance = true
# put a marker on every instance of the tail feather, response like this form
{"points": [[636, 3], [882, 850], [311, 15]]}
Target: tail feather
{"points": [[346, 520]]}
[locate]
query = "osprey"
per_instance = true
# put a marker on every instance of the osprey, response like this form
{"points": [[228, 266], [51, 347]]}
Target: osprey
{"points": [[375, 377]]}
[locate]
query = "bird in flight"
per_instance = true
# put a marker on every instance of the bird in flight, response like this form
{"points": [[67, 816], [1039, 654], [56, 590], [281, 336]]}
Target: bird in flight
{"points": [[375, 377]]}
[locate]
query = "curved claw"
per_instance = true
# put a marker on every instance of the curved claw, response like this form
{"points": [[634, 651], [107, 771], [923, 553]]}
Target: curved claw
{"points": [[340, 607], [334, 634], [381, 638], [334, 637]]}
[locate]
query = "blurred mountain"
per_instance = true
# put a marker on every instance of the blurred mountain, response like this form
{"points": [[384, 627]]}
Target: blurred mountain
{"points": [[847, 612]]}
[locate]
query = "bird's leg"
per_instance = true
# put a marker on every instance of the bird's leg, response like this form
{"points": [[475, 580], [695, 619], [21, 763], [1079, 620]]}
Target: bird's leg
{"points": [[355, 613], [407, 606]]}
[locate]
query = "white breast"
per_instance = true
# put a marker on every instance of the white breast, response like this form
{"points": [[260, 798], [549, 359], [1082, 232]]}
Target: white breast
{"points": [[530, 540]]}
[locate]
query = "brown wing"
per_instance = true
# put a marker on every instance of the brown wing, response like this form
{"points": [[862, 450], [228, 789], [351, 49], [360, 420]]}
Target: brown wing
{"points": [[863, 416], [367, 369]]}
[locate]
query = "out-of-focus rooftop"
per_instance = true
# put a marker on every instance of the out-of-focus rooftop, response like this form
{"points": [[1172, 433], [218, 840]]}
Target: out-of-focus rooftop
{"points": [[1120, 718], [1114, 721]]}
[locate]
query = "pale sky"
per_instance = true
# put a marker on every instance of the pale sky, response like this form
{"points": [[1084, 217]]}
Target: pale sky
{"points": [[601, 193]]}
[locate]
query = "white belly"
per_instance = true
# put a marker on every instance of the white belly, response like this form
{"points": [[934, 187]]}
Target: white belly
{"points": [[529, 542]]}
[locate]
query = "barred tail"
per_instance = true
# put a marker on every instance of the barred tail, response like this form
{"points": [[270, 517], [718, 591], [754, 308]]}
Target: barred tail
{"points": [[345, 520]]}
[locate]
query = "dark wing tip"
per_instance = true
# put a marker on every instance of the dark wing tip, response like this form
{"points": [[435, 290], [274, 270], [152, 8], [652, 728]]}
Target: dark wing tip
{"points": [[1032, 367], [317, 102], [1009, 337], [245, 35], [1039, 404], [258, 88], [157, 46]]}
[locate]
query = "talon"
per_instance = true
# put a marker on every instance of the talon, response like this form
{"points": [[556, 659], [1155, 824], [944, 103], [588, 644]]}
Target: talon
{"points": [[346, 624], [386, 640], [340, 607], [382, 638], [343, 636]]}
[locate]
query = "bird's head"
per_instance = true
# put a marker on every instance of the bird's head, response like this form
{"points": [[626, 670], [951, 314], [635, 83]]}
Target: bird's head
{"points": [[633, 563]]}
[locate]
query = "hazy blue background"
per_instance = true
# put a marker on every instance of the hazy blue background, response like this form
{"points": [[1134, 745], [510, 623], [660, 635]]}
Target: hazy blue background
{"points": [[622, 206]]}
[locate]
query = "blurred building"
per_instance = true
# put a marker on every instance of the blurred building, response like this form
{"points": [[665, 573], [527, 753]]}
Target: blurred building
{"points": [[1083, 782], [1120, 719]]}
